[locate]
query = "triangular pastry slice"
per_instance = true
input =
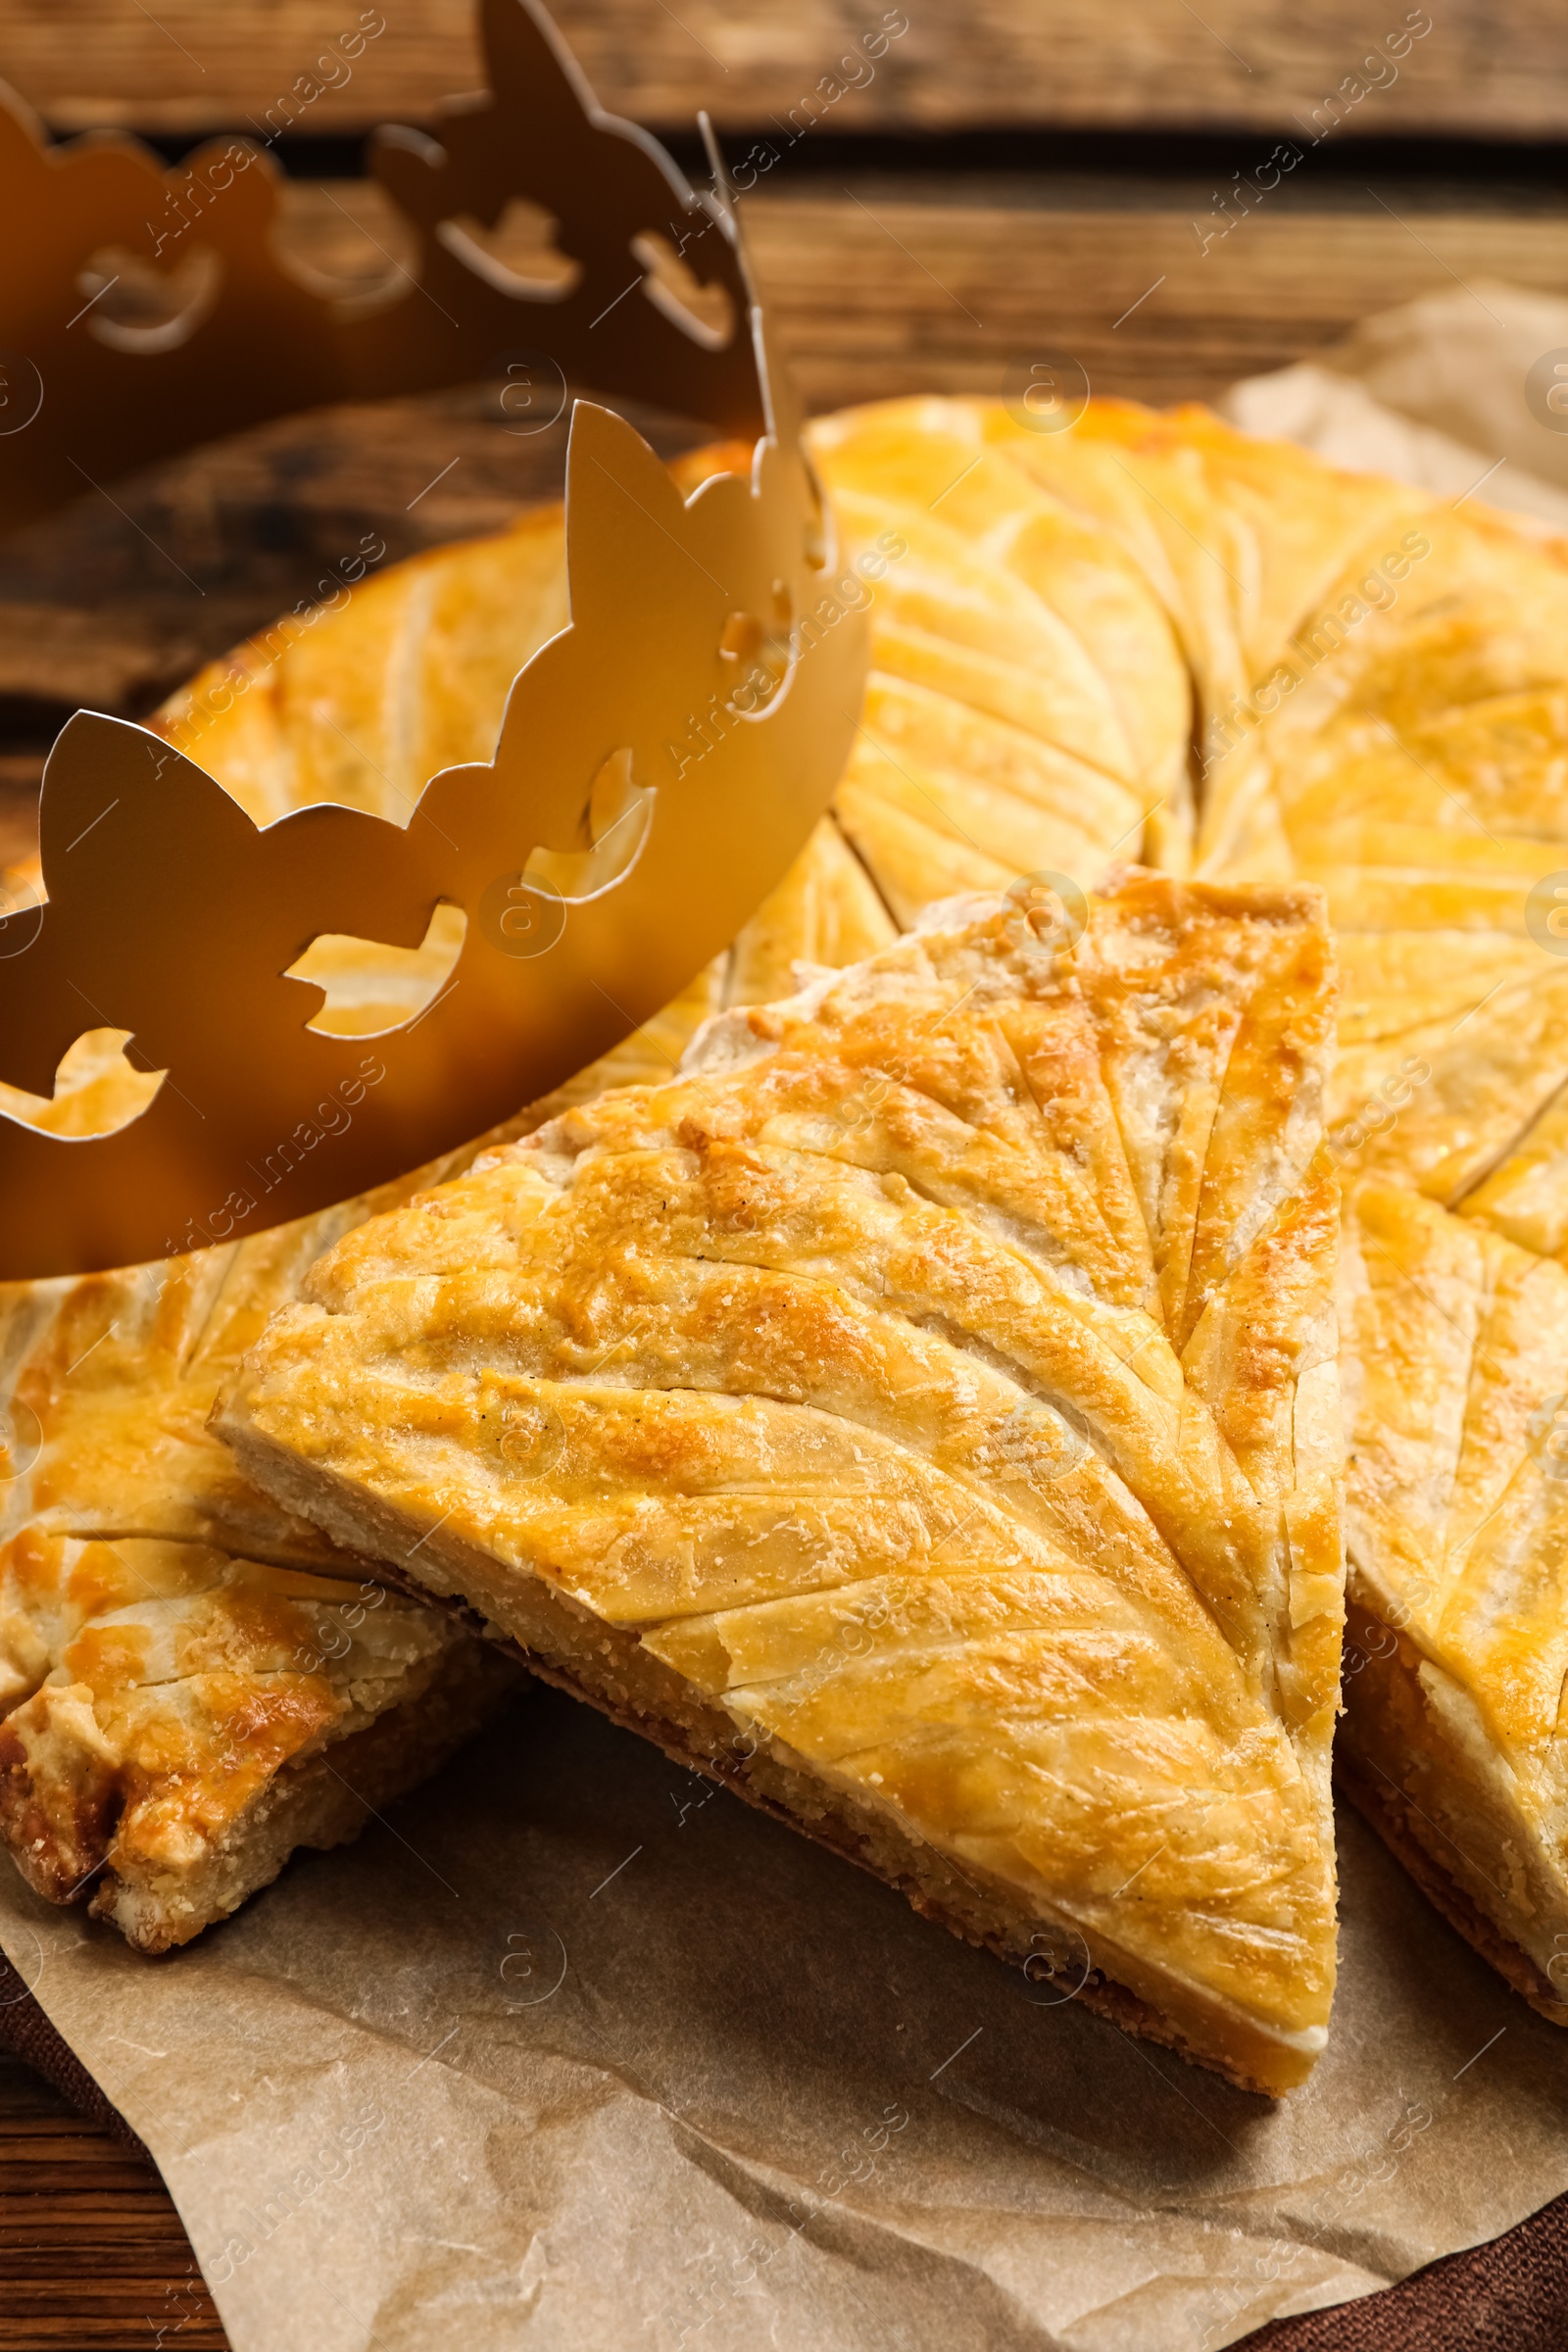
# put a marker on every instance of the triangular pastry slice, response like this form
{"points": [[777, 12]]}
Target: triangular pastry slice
{"points": [[1454, 1742], [921, 1416]]}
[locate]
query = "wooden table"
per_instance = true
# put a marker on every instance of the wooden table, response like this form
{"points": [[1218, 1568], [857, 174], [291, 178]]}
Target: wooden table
{"points": [[1487, 67], [91, 2250], [1046, 213]]}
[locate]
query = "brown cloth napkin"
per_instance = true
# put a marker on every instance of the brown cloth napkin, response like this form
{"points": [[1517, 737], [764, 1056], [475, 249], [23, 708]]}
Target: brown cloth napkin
{"points": [[26, 2032]]}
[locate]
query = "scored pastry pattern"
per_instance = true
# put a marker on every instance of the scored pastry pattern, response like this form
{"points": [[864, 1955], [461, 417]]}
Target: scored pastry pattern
{"points": [[930, 1387], [1380, 706]]}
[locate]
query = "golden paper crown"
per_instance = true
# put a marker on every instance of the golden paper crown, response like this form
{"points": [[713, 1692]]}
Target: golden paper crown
{"points": [[597, 866]]}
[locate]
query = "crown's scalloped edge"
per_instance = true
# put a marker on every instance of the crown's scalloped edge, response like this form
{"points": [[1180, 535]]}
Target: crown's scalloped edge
{"points": [[170, 915]]}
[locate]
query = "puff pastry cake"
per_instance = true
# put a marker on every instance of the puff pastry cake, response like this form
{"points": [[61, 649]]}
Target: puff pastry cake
{"points": [[1150, 636], [921, 1416], [192, 1682], [1379, 687]]}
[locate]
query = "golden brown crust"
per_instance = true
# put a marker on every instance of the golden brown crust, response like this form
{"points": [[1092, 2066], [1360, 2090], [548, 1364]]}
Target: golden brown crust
{"points": [[981, 1292], [639, 1693], [169, 1712], [177, 1656], [1456, 1364], [162, 1844]]}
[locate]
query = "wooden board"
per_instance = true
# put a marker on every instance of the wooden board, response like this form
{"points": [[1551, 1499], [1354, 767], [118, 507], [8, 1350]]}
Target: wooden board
{"points": [[881, 285], [879, 292], [91, 2250], [1486, 68]]}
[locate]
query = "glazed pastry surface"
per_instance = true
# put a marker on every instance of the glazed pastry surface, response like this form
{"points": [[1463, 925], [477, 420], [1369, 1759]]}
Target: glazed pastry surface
{"points": [[937, 1383]]}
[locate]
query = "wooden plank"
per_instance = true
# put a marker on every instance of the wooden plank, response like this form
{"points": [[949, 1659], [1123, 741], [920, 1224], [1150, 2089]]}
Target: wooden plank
{"points": [[1486, 68], [891, 294], [92, 2252], [885, 285]]}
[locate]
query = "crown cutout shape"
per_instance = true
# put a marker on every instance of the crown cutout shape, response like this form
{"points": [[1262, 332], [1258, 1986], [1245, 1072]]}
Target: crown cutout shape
{"points": [[596, 867]]}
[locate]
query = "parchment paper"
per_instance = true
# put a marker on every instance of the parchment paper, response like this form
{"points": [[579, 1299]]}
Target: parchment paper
{"points": [[573, 2051], [1436, 393]]}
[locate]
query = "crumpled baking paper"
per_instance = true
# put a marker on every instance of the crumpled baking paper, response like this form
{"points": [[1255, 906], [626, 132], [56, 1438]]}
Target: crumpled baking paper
{"points": [[573, 2054], [1458, 392], [576, 2051]]}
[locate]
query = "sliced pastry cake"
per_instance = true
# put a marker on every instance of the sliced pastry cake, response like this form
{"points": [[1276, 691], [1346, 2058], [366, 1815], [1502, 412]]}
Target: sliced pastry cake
{"points": [[1455, 1740], [1149, 636], [192, 1681], [922, 1414]]}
